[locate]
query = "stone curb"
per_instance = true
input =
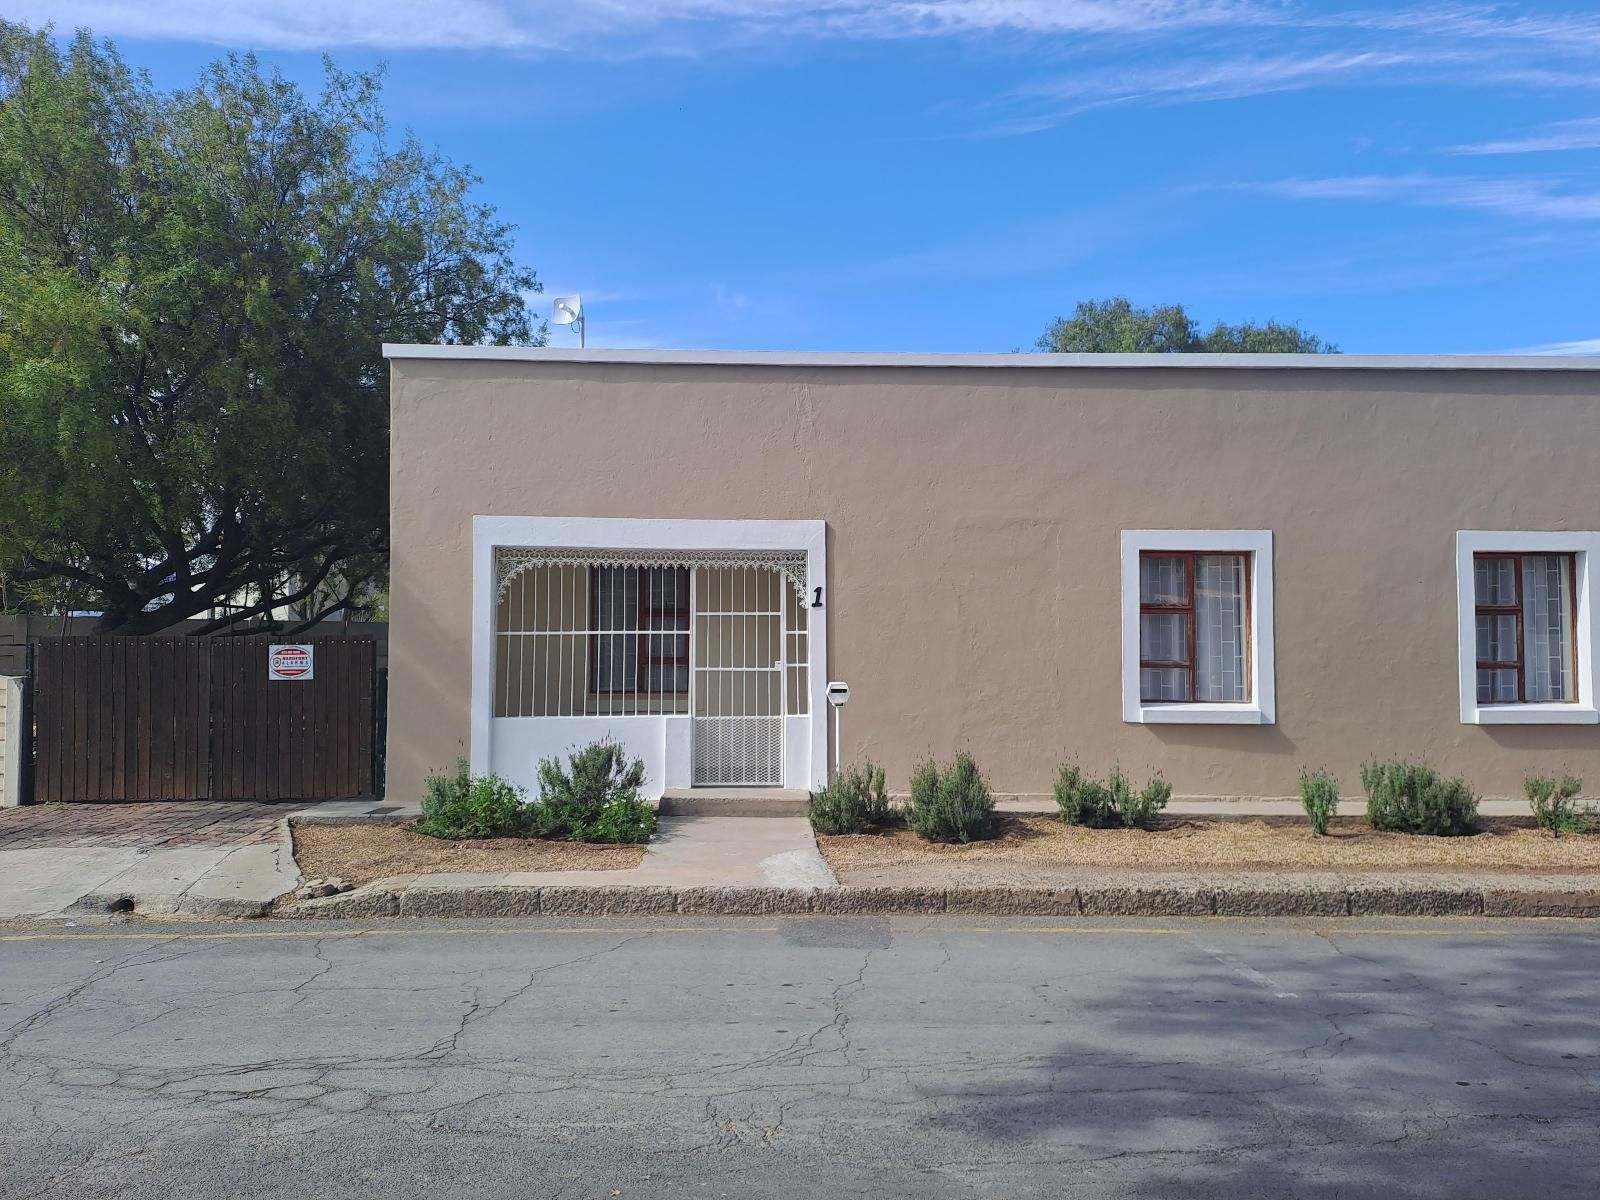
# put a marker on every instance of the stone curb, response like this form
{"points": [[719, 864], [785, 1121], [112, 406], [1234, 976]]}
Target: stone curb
{"points": [[407, 898], [165, 904]]}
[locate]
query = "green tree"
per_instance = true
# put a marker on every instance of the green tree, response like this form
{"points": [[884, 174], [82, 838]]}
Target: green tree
{"points": [[194, 290], [1116, 327]]}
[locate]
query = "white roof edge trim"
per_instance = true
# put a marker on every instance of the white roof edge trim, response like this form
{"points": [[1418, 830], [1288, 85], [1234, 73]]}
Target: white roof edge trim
{"points": [[812, 358]]}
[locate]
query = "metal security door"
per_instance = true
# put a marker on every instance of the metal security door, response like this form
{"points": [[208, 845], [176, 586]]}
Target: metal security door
{"points": [[737, 687]]}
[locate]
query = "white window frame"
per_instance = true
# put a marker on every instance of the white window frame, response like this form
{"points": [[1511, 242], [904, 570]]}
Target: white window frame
{"points": [[1262, 707], [1585, 549]]}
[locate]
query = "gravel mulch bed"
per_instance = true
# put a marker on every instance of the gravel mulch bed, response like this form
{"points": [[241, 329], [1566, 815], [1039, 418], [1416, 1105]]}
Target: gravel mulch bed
{"points": [[1261, 844], [361, 853]]}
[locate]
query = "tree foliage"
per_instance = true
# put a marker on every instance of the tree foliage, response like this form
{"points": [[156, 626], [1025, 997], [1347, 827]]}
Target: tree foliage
{"points": [[194, 291], [1116, 327]]}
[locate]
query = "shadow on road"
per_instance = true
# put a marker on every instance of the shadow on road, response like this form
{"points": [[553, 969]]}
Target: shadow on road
{"points": [[1376, 1066]]}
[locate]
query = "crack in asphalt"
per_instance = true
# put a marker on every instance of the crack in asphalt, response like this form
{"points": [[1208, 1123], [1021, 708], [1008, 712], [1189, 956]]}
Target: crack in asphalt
{"points": [[1260, 1081]]}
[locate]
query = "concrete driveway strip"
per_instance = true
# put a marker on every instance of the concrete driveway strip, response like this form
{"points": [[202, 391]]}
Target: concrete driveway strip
{"points": [[707, 852], [204, 881], [43, 882], [802, 1057]]}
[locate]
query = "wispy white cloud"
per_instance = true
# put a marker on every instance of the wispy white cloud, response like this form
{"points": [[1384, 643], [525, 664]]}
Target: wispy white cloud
{"points": [[1483, 22], [1580, 134], [1387, 36], [1129, 52], [301, 24], [1460, 46], [592, 26], [1581, 346], [1524, 198], [1199, 79]]}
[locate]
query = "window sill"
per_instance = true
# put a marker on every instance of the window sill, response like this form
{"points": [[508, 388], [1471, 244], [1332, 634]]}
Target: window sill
{"points": [[1531, 714], [1199, 714]]}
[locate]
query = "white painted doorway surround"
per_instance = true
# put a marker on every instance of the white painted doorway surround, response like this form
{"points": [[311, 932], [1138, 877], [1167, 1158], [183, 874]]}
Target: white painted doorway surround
{"points": [[512, 745]]}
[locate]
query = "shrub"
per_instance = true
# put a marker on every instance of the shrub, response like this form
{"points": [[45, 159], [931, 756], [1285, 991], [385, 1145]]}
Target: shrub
{"points": [[879, 810], [1407, 798], [575, 802], [463, 806], [856, 801], [924, 787], [1086, 801], [951, 803], [1553, 804], [620, 821], [1138, 810], [1319, 795]]}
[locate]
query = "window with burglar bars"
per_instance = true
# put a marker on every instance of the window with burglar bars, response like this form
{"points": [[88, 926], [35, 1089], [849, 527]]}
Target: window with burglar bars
{"points": [[650, 606], [1523, 610], [575, 640], [1194, 627]]}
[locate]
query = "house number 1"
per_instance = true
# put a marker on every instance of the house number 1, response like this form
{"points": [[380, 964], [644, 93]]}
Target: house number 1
{"points": [[817, 603]]}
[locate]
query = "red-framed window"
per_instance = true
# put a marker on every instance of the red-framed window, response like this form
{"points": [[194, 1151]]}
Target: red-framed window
{"points": [[639, 623], [1194, 627], [1524, 610]]}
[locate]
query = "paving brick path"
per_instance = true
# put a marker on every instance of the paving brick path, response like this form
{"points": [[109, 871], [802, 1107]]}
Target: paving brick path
{"points": [[175, 823]]}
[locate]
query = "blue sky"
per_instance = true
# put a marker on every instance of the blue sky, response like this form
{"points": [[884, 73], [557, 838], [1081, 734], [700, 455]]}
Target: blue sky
{"points": [[952, 174]]}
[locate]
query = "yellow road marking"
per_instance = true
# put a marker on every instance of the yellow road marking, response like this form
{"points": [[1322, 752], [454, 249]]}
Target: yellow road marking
{"points": [[523, 931], [252, 934], [1318, 931]]}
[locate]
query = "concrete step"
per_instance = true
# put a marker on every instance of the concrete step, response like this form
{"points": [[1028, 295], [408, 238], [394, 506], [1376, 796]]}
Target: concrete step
{"points": [[734, 802]]}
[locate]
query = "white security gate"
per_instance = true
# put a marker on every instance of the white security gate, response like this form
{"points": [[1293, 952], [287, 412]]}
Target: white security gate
{"points": [[637, 643], [737, 685]]}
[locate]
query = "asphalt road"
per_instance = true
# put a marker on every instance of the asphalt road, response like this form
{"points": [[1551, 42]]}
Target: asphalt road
{"points": [[801, 1057]]}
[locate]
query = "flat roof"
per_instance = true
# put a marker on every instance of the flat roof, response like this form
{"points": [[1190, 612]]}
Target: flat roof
{"points": [[1033, 361]]}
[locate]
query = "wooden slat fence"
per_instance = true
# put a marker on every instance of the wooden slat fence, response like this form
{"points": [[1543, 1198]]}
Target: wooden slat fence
{"points": [[197, 718]]}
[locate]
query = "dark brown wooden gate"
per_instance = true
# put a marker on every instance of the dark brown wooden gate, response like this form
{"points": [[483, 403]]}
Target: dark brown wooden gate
{"points": [[198, 719]]}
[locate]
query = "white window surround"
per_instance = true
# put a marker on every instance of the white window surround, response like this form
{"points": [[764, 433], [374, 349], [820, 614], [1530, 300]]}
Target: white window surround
{"points": [[639, 533], [1585, 547], [1261, 708]]}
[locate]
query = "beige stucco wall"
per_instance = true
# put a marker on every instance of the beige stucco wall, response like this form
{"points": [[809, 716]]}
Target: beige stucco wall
{"points": [[973, 540]]}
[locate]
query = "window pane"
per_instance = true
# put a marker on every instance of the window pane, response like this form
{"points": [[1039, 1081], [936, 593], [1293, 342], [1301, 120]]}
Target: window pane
{"points": [[1547, 626], [667, 676], [1163, 683], [1497, 638], [616, 598], [668, 602], [616, 653], [616, 662], [1162, 580], [1497, 687], [1219, 628], [1495, 580], [1164, 637]]}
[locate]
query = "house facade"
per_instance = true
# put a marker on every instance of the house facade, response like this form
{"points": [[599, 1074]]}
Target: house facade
{"points": [[1220, 567]]}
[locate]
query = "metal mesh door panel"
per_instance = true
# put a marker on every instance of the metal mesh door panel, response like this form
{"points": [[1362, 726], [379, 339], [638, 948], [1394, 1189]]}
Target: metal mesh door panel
{"points": [[738, 750]]}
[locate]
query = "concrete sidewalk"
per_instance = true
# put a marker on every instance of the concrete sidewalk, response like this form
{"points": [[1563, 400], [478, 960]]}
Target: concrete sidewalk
{"points": [[238, 881], [713, 852], [199, 858]]}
